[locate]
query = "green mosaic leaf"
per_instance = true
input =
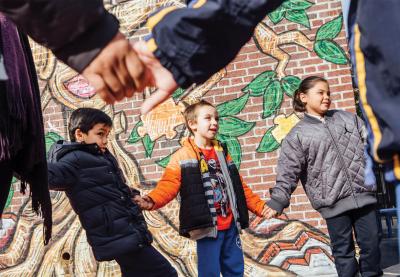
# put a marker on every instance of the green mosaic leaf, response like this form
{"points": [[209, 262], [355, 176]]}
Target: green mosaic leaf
{"points": [[268, 142], [233, 127], [178, 93], [50, 138], [9, 197], [298, 16], [257, 86], [330, 30], [164, 161], [297, 4], [234, 106], [148, 145], [273, 97], [277, 15], [330, 51], [134, 136], [290, 84], [234, 148]]}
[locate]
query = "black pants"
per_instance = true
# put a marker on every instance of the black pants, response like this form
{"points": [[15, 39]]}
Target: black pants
{"points": [[147, 262], [5, 183], [364, 223]]}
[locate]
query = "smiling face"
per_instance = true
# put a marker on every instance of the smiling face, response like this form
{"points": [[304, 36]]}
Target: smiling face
{"points": [[205, 125], [317, 99], [98, 134]]}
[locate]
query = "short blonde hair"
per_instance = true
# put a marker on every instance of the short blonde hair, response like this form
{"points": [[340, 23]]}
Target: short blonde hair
{"points": [[190, 112]]}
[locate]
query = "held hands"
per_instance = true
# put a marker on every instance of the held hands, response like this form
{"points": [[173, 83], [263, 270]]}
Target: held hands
{"points": [[156, 75], [121, 69], [116, 72], [268, 212], [144, 203]]}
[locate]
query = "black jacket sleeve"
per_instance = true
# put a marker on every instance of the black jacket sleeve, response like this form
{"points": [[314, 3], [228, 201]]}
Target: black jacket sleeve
{"points": [[195, 42], [75, 30], [62, 175]]}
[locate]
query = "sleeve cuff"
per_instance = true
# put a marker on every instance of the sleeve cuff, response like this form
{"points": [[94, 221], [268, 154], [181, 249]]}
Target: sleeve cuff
{"points": [[181, 79], [275, 205]]}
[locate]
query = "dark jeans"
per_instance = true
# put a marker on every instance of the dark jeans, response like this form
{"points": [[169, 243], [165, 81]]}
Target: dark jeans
{"points": [[5, 183], [365, 226], [146, 262]]}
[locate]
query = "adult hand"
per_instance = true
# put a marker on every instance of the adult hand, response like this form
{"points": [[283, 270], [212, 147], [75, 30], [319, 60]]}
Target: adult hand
{"points": [[116, 72], [155, 75]]}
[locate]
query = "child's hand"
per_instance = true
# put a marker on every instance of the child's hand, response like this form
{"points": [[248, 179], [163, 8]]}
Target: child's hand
{"points": [[155, 75], [268, 213], [145, 202]]}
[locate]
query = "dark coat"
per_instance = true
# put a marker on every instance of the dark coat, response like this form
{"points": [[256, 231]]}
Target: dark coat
{"points": [[98, 193], [194, 43], [74, 30]]}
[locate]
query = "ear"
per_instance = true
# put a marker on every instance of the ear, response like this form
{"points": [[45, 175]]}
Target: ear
{"points": [[192, 125], [79, 135], [303, 97]]}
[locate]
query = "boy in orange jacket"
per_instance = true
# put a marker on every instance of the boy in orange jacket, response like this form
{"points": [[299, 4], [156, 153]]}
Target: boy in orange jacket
{"points": [[214, 199]]}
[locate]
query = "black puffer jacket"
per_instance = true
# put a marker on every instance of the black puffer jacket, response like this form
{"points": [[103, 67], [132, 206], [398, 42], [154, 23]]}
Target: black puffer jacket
{"points": [[97, 191]]}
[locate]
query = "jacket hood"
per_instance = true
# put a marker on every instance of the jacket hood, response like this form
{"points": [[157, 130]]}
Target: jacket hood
{"points": [[61, 148]]}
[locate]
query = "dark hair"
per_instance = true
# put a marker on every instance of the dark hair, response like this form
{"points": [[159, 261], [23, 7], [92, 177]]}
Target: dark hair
{"points": [[190, 112], [85, 119], [304, 86]]}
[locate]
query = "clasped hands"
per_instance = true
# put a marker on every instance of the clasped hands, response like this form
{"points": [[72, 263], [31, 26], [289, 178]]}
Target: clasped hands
{"points": [[146, 203], [122, 69]]}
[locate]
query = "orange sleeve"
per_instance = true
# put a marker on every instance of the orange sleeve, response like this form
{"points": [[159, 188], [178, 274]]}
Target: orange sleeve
{"points": [[254, 203], [168, 187]]}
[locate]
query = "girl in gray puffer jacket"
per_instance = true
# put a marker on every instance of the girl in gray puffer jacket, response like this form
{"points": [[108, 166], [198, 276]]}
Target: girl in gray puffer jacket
{"points": [[325, 151]]}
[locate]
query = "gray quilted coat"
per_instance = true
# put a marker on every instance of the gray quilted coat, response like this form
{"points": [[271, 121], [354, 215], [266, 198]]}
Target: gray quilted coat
{"points": [[328, 158]]}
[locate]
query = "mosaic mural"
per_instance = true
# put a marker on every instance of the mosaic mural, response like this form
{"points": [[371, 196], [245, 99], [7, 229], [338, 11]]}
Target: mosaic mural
{"points": [[277, 247]]}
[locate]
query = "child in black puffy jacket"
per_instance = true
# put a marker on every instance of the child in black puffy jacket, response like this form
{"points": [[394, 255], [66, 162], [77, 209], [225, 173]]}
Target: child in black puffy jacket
{"points": [[93, 182]]}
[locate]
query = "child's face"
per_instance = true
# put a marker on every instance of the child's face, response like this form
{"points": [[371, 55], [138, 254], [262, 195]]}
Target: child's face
{"points": [[206, 123], [317, 99], [98, 134]]}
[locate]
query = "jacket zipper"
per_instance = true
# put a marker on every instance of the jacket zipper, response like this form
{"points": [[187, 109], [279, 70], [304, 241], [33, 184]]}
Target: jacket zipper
{"points": [[343, 164]]}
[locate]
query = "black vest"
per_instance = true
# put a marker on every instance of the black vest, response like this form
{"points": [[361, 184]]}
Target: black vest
{"points": [[194, 211]]}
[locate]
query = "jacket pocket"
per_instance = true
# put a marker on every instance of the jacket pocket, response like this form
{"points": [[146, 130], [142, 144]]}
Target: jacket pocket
{"points": [[107, 220]]}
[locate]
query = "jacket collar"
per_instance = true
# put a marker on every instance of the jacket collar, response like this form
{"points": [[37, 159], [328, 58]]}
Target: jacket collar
{"points": [[189, 142], [61, 148], [313, 120]]}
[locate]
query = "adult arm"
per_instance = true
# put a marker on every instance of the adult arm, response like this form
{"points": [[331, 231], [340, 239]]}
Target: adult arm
{"points": [[195, 42]]}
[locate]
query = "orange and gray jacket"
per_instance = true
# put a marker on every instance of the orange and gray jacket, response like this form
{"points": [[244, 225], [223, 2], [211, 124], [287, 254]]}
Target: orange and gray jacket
{"points": [[195, 42], [328, 158], [182, 175]]}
